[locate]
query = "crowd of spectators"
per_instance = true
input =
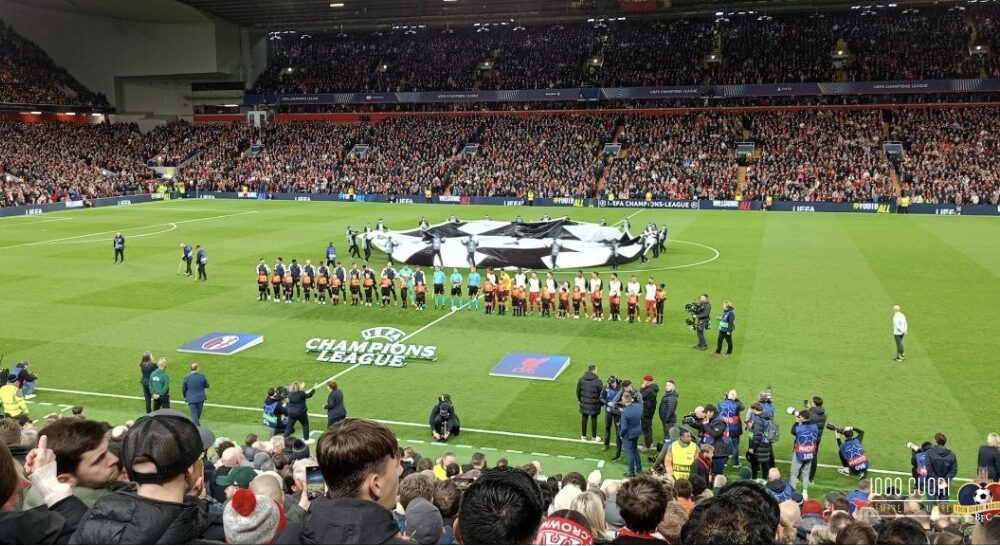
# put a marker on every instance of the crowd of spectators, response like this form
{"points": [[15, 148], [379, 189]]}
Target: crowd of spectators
{"points": [[950, 155], [800, 155], [547, 156], [856, 45], [676, 157], [818, 156], [163, 479], [52, 162], [29, 76]]}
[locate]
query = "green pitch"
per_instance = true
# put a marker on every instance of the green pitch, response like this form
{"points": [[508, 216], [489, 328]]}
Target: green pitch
{"points": [[812, 293]]}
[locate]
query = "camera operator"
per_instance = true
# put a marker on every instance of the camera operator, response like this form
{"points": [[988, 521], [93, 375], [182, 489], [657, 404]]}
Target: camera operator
{"points": [[918, 460], [275, 414], [803, 449], [611, 396], [444, 419], [729, 411], [701, 315], [851, 450], [817, 416], [715, 432]]}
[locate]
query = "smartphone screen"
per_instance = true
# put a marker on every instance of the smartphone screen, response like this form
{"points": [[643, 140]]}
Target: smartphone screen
{"points": [[315, 486]]}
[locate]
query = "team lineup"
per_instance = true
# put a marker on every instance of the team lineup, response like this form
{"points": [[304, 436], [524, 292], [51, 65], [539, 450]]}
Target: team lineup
{"points": [[518, 292]]}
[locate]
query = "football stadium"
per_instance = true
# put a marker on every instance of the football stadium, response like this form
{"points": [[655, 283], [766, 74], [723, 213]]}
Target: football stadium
{"points": [[505, 272]]}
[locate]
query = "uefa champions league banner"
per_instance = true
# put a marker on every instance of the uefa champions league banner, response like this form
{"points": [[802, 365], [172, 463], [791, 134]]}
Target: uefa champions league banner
{"points": [[631, 93], [125, 200]]}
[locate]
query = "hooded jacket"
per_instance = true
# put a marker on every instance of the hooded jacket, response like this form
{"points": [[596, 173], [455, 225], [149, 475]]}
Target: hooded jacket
{"points": [[941, 463], [588, 393], [43, 525], [123, 517], [343, 521], [649, 394]]}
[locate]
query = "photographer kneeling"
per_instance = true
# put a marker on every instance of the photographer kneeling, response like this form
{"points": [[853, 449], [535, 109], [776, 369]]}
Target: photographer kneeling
{"points": [[701, 313], [444, 420], [851, 451]]}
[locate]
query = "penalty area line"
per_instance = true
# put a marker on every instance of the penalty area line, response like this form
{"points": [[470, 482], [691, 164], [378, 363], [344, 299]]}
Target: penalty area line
{"points": [[425, 426]]}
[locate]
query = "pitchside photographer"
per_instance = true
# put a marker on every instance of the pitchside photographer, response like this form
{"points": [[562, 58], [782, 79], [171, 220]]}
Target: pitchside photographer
{"points": [[806, 439], [444, 420], [817, 416], [701, 313], [853, 458]]}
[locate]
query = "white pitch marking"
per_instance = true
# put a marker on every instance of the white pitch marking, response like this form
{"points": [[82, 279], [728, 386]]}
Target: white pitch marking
{"points": [[126, 229]]}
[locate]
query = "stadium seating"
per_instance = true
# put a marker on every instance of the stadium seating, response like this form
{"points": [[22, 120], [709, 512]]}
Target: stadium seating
{"points": [[856, 45], [801, 155], [28, 76]]}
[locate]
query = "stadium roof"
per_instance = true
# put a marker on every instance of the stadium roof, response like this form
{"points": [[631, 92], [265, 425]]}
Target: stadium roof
{"points": [[330, 15]]}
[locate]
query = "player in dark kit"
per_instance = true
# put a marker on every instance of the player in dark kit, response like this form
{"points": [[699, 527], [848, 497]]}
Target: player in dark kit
{"points": [[368, 281], [296, 270], [288, 284], [308, 274], [262, 274], [352, 242], [340, 273], [279, 274], [119, 244], [322, 283], [336, 290], [187, 256], [661, 299], [385, 284], [419, 289], [202, 263], [355, 281], [390, 272]]}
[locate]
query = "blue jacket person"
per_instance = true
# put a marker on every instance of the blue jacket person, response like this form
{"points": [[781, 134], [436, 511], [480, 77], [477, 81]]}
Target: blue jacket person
{"points": [[727, 323], [193, 389]]}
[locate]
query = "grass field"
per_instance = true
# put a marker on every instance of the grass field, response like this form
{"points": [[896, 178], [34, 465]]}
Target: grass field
{"points": [[812, 294]]}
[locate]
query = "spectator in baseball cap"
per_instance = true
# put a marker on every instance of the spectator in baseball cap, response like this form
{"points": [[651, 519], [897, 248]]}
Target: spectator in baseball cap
{"points": [[162, 455], [238, 478]]}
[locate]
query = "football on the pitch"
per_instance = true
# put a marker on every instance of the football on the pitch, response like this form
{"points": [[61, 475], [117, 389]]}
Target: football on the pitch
{"points": [[982, 496], [454, 308]]}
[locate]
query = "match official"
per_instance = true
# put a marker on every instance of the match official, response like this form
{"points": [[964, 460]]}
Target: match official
{"points": [[193, 390], [899, 330], [119, 244]]}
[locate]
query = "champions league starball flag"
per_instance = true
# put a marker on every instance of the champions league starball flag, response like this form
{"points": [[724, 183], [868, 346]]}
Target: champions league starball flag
{"points": [[221, 343], [509, 244]]}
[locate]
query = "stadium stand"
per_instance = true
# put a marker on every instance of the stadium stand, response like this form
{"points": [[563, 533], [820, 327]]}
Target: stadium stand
{"points": [[29, 76], [848, 46]]}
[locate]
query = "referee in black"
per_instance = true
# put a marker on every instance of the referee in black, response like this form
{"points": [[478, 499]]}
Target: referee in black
{"points": [[119, 245]]}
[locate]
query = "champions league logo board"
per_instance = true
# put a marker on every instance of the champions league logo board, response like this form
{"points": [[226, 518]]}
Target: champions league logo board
{"points": [[222, 343], [531, 366], [380, 346], [508, 244]]}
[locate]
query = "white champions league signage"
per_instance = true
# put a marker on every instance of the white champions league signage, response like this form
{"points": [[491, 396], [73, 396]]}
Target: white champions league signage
{"points": [[381, 346]]}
